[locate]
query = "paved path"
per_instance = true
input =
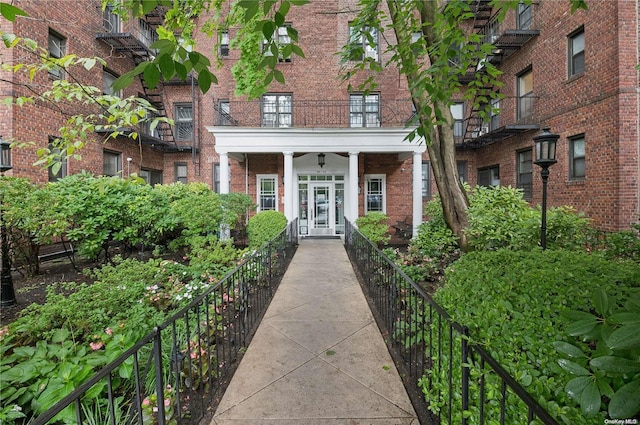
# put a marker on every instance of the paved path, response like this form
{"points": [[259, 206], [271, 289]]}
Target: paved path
{"points": [[318, 356]]}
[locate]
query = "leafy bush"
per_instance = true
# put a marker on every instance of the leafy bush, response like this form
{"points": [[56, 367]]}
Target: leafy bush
{"points": [[211, 257], [264, 226], [373, 225], [512, 300], [434, 238], [603, 356]]}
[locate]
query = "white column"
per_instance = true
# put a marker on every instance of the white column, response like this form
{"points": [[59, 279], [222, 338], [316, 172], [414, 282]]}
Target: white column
{"points": [[417, 191], [224, 172], [288, 185], [352, 213]]}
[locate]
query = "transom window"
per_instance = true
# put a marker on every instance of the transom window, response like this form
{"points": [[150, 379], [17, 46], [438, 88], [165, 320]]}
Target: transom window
{"points": [[184, 122], [57, 49], [525, 173], [577, 158], [112, 163], [363, 43], [576, 53], [267, 192], [276, 110], [489, 176], [525, 94], [375, 193], [364, 110]]}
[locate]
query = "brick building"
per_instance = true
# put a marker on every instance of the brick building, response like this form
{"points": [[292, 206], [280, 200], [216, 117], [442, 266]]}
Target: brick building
{"points": [[319, 153]]}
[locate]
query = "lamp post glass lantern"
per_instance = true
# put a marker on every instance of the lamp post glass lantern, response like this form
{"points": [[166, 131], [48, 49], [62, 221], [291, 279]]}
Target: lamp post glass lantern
{"points": [[321, 157], [7, 293], [545, 147]]}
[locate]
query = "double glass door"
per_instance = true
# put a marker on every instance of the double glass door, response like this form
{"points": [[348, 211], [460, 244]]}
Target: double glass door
{"points": [[321, 205]]}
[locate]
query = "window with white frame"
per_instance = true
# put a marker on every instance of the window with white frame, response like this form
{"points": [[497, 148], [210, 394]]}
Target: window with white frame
{"points": [[112, 163], [282, 39], [223, 48], [364, 110], [267, 192], [426, 180], [457, 110], [375, 193], [576, 53], [181, 172], [523, 16], [224, 112], [577, 155], [524, 172], [525, 94], [489, 176], [277, 110], [57, 49], [363, 43], [108, 78], [183, 118], [216, 177], [58, 169]]}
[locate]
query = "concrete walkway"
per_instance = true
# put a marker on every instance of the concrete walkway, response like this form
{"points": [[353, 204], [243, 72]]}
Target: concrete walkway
{"points": [[318, 356]]}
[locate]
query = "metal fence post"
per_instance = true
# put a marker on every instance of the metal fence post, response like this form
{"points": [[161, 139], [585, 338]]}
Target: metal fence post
{"points": [[465, 373]]}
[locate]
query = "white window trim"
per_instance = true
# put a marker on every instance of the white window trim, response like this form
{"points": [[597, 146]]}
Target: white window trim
{"points": [[367, 178], [259, 178]]}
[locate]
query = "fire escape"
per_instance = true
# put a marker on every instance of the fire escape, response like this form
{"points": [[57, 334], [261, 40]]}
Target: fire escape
{"points": [[483, 129], [136, 43]]}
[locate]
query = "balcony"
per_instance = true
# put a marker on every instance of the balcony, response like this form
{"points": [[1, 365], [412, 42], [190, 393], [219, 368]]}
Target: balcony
{"points": [[314, 114]]}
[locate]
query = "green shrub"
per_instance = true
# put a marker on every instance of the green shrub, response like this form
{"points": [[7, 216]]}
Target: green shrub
{"points": [[373, 225], [434, 238], [211, 257], [264, 226], [512, 300]]}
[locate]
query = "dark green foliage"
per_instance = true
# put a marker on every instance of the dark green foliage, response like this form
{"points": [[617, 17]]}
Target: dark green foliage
{"points": [[373, 225], [265, 226], [512, 303]]}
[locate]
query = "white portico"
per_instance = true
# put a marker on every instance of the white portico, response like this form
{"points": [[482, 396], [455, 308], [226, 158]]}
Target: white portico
{"points": [[320, 197]]}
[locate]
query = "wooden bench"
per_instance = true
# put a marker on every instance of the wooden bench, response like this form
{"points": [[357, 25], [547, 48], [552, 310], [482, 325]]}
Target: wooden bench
{"points": [[404, 229]]}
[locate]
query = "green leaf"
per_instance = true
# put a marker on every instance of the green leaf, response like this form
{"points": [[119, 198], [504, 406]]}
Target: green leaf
{"points": [[625, 403], [625, 337], [89, 64], [601, 301], [582, 327], [278, 75], [204, 80], [590, 399], [60, 335], [573, 367], [568, 349], [151, 76], [167, 67], [10, 12], [575, 387], [614, 364], [576, 315], [148, 6], [625, 318], [181, 70]]}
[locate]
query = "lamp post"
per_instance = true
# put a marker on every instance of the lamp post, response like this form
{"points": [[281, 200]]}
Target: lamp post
{"points": [[545, 147], [7, 294]]}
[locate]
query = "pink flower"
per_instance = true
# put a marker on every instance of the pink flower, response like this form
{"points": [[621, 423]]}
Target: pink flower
{"points": [[167, 402], [146, 402], [96, 345], [108, 331]]}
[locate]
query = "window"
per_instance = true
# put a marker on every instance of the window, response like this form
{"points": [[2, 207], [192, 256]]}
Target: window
{"points": [[57, 172], [576, 53], [457, 110], [524, 165], [462, 170], [523, 16], [145, 125], [375, 193], [426, 180], [181, 172], [363, 43], [107, 83], [111, 20], [276, 110], [494, 122], [525, 94], [364, 110], [216, 177], [151, 177], [267, 192], [489, 176], [224, 112], [57, 49], [183, 117], [112, 163], [577, 158], [282, 39], [224, 44]]}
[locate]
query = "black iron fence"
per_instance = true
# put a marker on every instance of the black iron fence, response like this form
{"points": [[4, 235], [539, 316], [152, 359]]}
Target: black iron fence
{"points": [[458, 380], [172, 375]]}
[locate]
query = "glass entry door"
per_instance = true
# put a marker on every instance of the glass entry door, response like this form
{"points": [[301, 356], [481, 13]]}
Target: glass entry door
{"points": [[321, 211]]}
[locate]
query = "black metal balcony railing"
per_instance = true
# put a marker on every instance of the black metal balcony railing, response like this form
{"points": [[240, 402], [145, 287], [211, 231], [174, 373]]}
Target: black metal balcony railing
{"points": [[183, 362], [464, 383], [314, 114]]}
